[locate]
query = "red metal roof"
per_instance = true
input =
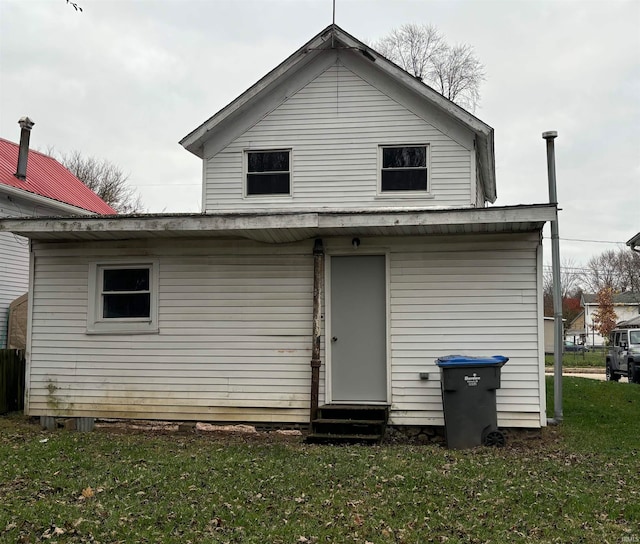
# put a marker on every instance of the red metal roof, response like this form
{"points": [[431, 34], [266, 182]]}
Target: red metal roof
{"points": [[47, 177]]}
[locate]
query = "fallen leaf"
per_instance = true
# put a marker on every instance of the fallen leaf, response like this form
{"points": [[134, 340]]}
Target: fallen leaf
{"points": [[87, 493]]}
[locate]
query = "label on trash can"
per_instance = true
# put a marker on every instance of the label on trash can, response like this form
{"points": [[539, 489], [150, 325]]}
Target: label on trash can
{"points": [[472, 381]]}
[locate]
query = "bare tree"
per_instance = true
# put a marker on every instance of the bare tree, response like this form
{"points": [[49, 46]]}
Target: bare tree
{"points": [[458, 75], [619, 270], [629, 267], [570, 290], [569, 279], [413, 47], [454, 71], [106, 180]]}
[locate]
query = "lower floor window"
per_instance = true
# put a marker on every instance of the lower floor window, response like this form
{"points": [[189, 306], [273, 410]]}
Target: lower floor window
{"points": [[126, 293], [123, 298]]}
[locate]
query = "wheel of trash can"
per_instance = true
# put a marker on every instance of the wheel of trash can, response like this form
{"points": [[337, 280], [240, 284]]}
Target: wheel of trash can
{"points": [[495, 438]]}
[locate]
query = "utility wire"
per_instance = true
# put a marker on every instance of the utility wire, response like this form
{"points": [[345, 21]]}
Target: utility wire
{"points": [[590, 241]]}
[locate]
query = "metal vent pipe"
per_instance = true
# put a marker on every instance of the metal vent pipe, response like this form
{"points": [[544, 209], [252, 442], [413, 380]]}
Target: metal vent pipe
{"points": [[26, 125], [550, 136]]}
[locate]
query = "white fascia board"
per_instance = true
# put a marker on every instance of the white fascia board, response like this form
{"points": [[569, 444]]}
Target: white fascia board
{"points": [[469, 216], [63, 207], [170, 225]]}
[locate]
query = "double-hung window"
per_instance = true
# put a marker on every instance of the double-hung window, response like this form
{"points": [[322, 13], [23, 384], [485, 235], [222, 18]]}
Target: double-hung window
{"points": [[268, 172], [123, 298], [404, 168]]}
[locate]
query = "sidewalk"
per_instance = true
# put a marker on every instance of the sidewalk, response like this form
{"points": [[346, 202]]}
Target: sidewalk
{"points": [[593, 373], [576, 370]]}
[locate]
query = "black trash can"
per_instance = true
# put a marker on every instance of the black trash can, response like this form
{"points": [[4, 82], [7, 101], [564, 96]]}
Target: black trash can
{"points": [[469, 399]]}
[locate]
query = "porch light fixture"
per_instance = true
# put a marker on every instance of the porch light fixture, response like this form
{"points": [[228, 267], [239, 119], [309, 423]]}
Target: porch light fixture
{"points": [[355, 243]]}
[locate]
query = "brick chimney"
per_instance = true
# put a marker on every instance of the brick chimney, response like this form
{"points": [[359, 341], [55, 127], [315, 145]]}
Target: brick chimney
{"points": [[26, 125]]}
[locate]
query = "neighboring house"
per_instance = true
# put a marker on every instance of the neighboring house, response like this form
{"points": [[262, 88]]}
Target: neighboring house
{"points": [[39, 186], [344, 245], [576, 331], [625, 305], [549, 334]]}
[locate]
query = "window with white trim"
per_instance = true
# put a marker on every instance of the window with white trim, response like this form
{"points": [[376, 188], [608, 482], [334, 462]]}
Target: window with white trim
{"points": [[123, 298], [404, 168], [268, 172]]}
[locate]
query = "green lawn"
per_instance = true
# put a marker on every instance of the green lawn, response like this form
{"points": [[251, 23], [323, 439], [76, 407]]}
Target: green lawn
{"points": [[580, 360], [575, 483]]}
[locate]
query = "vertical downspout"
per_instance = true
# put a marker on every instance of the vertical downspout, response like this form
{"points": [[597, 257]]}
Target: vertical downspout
{"points": [[555, 270], [318, 279]]}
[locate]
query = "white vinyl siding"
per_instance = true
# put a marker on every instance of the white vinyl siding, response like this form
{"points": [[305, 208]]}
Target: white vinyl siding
{"points": [[235, 329], [14, 254], [475, 297], [334, 126], [14, 276], [233, 344]]}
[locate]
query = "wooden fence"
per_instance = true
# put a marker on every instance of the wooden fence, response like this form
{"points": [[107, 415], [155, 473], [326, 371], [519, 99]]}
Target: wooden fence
{"points": [[12, 373]]}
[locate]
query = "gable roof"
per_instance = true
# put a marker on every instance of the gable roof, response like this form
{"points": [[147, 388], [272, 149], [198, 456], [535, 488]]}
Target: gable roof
{"points": [[618, 298], [334, 37], [46, 177]]}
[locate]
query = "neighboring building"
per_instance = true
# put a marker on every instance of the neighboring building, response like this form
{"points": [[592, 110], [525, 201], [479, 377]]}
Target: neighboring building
{"points": [[625, 305], [38, 186], [550, 333], [339, 182], [576, 331]]}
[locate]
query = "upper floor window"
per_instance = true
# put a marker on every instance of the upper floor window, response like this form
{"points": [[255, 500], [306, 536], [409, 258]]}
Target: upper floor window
{"points": [[404, 168], [268, 172]]}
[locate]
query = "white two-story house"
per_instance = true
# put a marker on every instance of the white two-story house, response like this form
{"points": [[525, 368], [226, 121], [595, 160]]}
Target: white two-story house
{"points": [[343, 246]]}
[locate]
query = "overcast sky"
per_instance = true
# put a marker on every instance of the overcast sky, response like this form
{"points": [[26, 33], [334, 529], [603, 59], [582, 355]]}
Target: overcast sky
{"points": [[126, 80]]}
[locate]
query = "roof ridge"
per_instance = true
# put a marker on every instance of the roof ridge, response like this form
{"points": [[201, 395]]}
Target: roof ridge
{"points": [[31, 150]]}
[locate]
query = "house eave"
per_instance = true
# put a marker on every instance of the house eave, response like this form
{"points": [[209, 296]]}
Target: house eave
{"points": [[634, 243], [40, 200], [287, 226]]}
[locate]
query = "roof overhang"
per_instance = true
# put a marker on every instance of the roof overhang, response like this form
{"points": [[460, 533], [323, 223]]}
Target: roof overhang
{"points": [[634, 243], [40, 200], [287, 226]]}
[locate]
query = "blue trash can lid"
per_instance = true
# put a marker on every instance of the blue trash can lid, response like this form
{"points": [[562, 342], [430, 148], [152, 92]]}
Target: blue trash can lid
{"points": [[470, 360]]}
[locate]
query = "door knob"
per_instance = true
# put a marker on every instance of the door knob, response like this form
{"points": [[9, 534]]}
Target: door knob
{"points": [[334, 339]]}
